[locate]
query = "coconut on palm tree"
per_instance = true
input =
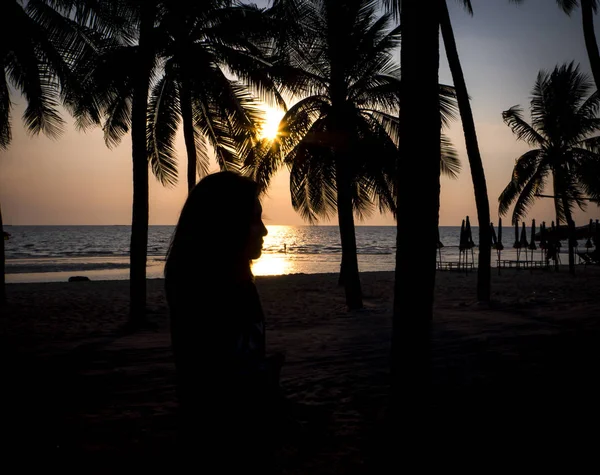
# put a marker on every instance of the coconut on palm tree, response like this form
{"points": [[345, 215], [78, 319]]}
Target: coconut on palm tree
{"points": [[340, 139], [564, 119]]}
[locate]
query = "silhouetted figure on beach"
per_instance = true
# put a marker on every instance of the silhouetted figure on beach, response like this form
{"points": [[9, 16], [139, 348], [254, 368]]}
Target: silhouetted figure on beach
{"points": [[227, 388]]}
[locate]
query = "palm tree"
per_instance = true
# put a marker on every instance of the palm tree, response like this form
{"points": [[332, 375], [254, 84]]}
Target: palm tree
{"points": [[418, 181], [588, 9], [484, 274], [196, 44], [342, 63], [340, 140], [564, 117], [36, 63], [120, 82]]}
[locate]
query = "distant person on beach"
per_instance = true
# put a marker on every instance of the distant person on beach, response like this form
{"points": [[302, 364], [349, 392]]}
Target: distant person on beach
{"points": [[226, 386]]}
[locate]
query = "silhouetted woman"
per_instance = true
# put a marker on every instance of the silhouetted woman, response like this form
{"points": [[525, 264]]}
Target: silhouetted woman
{"points": [[225, 385]]}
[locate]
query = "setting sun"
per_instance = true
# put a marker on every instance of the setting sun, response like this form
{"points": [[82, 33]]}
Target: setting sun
{"points": [[271, 125]]}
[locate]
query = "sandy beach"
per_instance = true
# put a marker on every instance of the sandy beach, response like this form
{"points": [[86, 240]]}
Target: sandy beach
{"points": [[516, 378]]}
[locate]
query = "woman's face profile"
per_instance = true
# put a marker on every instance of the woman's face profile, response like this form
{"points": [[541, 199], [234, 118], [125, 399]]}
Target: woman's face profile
{"points": [[257, 232]]}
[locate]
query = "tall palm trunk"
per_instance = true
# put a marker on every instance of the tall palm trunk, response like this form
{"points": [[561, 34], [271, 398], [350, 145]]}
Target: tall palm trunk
{"points": [[418, 180], [484, 274], [570, 235], [349, 269], [139, 225], [2, 264], [587, 13], [349, 274], [188, 133]]}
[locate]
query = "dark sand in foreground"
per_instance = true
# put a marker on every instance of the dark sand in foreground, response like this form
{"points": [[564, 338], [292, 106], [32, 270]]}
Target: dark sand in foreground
{"points": [[515, 382]]}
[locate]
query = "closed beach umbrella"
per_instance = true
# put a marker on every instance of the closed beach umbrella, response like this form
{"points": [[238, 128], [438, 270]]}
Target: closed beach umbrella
{"points": [[494, 239], [469, 237], [543, 243], [553, 245], [532, 245], [470, 242], [462, 244], [523, 239], [499, 246], [517, 244], [588, 243]]}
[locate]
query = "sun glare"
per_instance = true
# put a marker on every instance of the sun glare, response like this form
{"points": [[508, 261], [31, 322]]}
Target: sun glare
{"points": [[271, 125]]}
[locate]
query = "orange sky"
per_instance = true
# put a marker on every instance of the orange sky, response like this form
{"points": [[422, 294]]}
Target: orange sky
{"points": [[77, 180]]}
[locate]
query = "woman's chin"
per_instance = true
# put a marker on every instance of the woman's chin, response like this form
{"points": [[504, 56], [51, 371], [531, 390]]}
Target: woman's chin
{"points": [[256, 255]]}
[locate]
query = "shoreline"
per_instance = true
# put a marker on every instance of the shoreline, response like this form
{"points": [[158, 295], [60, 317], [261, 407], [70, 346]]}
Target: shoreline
{"points": [[99, 268]]}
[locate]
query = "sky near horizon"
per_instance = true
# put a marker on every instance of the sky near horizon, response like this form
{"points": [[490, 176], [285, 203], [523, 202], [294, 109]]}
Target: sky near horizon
{"points": [[77, 180]]}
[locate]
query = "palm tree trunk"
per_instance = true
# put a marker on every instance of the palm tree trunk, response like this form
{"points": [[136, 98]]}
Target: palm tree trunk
{"points": [[484, 274], [349, 274], [2, 264], [139, 225], [587, 13], [571, 235], [188, 134], [418, 179], [342, 149]]}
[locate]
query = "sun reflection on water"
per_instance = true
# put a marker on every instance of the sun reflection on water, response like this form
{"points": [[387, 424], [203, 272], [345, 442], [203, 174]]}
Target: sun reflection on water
{"points": [[275, 260]]}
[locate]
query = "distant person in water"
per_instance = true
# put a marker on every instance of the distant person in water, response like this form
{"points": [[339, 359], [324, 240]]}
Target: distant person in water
{"points": [[226, 386]]}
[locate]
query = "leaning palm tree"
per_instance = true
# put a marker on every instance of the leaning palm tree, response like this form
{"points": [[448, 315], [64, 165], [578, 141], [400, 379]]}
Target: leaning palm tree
{"points": [[564, 119], [37, 63], [476, 165], [588, 10], [197, 45], [340, 140]]}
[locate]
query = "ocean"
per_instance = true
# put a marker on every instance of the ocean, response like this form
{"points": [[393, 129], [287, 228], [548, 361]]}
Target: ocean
{"points": [[55, 253]]}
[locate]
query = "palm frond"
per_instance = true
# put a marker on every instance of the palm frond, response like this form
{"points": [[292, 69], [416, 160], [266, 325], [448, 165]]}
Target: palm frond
{"points": [[393, 6], [567, 5], [5, 106], [163, 119], [513, 117], [202, 156], [448, 104], [588, 171], [313, 183], [467, 6], [118, 120], [449, 163], [526, 168], [592, 144]]}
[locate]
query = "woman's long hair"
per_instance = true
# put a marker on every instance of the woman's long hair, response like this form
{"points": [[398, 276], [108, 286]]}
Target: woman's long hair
{"points": [[211, 237]]}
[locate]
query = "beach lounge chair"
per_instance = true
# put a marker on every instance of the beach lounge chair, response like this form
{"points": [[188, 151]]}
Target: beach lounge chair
{"points": [[589, 257]]}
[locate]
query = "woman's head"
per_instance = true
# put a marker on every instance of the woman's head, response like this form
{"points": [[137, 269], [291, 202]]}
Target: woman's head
{"points": [[220, 228]]}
